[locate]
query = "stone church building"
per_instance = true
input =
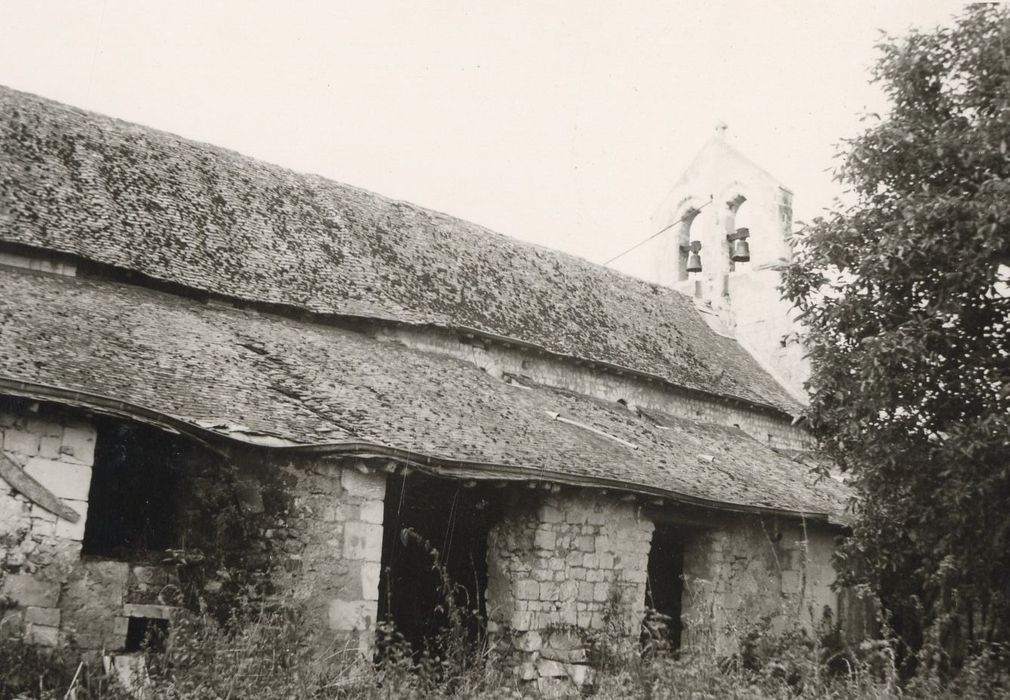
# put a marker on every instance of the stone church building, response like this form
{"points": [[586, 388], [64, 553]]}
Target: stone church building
{"points": [[216, 373]]}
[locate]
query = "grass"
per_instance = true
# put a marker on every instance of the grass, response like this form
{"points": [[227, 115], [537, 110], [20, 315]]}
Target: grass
{"points": [[266, 653]]}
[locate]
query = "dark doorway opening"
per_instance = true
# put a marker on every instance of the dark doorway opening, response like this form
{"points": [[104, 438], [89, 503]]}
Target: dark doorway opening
{"points": [[665, 587], [431, 525]]}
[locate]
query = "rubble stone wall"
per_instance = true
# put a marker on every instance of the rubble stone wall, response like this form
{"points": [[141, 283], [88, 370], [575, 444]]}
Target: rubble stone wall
{"points": [[754, 568], [562, 568]]}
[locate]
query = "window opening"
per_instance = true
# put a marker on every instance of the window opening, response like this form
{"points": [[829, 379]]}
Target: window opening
{"points": [[132, 505]]}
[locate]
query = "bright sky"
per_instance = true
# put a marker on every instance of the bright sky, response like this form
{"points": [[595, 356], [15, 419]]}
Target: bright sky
{"points": [[562, 123]]}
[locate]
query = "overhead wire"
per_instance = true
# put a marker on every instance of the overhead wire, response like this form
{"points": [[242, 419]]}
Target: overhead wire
{"points": [[682, 220]]}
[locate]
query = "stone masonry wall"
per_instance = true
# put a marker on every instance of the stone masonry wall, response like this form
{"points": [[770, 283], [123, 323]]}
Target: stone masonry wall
{"points": [[563, 567], [335, 535], [38, 551], [753, 568], [309, 530]]}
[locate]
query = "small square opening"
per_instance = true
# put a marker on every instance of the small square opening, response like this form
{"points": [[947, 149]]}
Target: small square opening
{"points": [[146, 634]]}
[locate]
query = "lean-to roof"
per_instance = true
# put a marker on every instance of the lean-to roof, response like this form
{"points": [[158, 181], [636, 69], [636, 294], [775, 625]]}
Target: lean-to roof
{"points": [[252, 376]]}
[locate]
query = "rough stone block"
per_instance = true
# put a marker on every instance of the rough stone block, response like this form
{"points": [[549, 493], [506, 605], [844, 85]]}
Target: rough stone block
{"points": [[523, 620], [362, 541], [351, 615], [370, 572], [544, 539], [43, 635], [601, 592], [21, 442], [371, 486], [249, 497], [585, 593], [44, 427], [586, 543], [530, 641], [372, 512], [549, 514], [73, 531], [597, 517], [28, 591], [549, 591], [151, 575], [527, 671], [49, 447], [568, 590], [551, 688], [49, 617], [527, 589], [548, 668], [65, 480], [78, 444], [580, 674], [12, 623], [92, 598], [158, 612]]}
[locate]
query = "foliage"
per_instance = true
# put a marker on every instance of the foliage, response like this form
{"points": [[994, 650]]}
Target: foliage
{"points": [[904, 297], [28, 671], [269, 654]]}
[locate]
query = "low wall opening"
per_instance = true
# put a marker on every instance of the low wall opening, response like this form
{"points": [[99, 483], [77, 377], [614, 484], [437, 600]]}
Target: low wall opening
{"points": [[664, 589], [431, 525]]}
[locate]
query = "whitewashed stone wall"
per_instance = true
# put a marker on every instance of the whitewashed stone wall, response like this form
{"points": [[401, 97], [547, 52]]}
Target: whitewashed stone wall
{"points": [[37, 549], [564, 567]]}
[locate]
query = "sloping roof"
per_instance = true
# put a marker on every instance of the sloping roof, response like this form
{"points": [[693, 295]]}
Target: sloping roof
{"points": [[132, 197], [241, 373]]}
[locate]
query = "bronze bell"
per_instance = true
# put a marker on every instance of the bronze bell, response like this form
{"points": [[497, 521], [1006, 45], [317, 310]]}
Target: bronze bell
{"points": [[741, 248], [693, 258], [741, 251]]}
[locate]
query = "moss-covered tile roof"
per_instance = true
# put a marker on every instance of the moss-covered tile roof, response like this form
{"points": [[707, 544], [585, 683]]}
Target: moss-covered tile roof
{"points": [[210, 219], [242, 373]]}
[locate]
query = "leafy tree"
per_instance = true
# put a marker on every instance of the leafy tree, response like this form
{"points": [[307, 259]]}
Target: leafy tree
{"points": [[904, 296]]}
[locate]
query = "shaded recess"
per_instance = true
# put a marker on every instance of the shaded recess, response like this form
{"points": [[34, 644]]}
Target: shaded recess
{"points": [[665, 586], [429, 520], [133, 503]]}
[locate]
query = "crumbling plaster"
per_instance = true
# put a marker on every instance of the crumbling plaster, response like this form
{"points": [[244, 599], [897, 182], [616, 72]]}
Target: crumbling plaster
{"points": [[751, 570]]}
